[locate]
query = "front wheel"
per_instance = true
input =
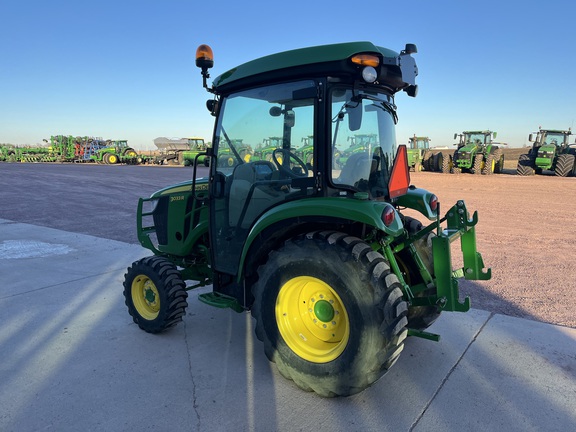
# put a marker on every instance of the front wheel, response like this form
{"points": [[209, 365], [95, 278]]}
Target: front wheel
{"points": [[478, 162], [330, 313], [155, 294], [564, 165]]}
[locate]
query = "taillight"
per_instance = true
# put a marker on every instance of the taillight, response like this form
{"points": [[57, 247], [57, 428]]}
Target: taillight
{"points": [[388, 215], [433, 203]]}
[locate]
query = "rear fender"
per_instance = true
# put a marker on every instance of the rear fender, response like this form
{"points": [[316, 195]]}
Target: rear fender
{"points": [[362, 211], [419, 200]]}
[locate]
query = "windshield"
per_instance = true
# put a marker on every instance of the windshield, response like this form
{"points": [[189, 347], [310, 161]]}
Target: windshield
{"points": [[477, 138], [422, 143], [363, 140], [554, 138], [254, 123]]}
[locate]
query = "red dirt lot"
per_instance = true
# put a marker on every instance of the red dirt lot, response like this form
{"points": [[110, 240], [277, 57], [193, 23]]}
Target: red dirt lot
{"points": [[525, 234]]}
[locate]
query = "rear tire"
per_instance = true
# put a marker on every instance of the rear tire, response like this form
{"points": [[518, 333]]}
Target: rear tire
{"points": [[499, 159], [419, 317], [426, 158], [490, 165], [330, 313], [447, 164], [155, 294], [438, 162]]}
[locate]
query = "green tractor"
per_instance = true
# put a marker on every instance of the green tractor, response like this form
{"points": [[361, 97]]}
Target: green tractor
{"points": [[550, 151], [420, 157], [359, 143], [334, 274], [195, 154], [477, 154], [114, 152], [265, 150], [306, 152]]}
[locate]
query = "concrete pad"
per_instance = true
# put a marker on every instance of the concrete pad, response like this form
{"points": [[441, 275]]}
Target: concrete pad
{"points": [[518, 375], [72, 359]]}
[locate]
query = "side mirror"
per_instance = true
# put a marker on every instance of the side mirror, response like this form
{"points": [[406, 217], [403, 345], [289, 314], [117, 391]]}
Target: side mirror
{"points": [[212, 106], [290, 118], [530, 138], [354, 115], [455, 135]]}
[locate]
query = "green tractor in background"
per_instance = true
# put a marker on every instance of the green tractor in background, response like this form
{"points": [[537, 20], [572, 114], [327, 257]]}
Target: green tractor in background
{"points": [[195, 154], [306, 152], [359, 143], [226, 157], [115, 152], [334, 274], [420, 157], [477, 154], [550, 151], [265, 150]]}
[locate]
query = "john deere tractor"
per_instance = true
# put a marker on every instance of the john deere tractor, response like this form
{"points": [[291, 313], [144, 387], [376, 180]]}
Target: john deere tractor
{"points": [[115, 152], [477, 154], [550, 151], [420, 157], [334, 274]]}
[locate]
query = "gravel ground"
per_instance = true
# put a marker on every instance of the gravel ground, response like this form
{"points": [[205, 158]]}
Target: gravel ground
{"points": [[525, 234], [525, 230]]}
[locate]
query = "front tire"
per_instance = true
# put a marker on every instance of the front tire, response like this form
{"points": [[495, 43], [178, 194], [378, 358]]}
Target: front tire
{"points": [[330, 313], [564, 165], [478, 162], [525, 165], [155, 294]]}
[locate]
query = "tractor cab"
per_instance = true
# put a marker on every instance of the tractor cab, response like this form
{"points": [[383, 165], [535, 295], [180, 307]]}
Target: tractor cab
{"points": [[352, 114]]}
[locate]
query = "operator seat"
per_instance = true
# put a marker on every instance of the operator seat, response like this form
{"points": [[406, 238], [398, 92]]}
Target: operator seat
{"points": [[251, 192], [357, 169]]}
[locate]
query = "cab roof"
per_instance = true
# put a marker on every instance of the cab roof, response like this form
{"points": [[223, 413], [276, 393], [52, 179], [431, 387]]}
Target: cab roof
{"points": [[304, 59]]}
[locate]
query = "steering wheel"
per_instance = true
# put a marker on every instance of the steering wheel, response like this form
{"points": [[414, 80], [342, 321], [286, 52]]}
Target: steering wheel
{"points": [[285, 170]]}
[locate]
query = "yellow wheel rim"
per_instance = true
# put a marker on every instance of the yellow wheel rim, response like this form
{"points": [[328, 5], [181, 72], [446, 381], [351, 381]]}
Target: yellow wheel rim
{"points": [[113, 159], [145, 297], [312, 319]]}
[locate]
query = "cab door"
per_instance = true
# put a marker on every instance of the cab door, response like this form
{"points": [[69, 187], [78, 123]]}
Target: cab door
{"points": [[245, 185]]}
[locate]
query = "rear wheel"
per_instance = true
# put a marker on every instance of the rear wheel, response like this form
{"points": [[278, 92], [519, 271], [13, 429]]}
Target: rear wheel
{"points": [[426, 158], [330, 313], [155, 294], [438, 162], [564, 165], [447, 164], [499, 159], [419, 317], [490, 165]]}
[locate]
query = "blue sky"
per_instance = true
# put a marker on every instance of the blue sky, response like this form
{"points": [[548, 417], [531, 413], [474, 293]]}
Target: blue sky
{"points": [[124, 69]]}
